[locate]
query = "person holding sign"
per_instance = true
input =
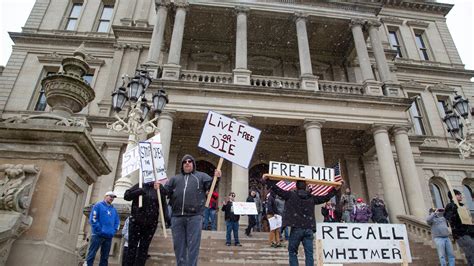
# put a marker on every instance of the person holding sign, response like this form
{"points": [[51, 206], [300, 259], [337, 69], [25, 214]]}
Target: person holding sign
{"points": [[231, 220], [440, 235], [463, 234], [187, 192], [299, 215], [143, 221]]}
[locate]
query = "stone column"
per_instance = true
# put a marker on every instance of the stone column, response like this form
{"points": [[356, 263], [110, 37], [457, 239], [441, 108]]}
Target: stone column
{"points": [[165, 126], [172, 68], [158, 32], [391, 186], [308, 80], [372, 87], [240, 175], [411, 180], [314, 145], [314, 142], [241, 73]]}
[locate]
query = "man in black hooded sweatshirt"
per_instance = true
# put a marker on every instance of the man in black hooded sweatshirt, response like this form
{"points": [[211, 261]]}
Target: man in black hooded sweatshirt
{"points": [[299, 216], [187, 192]]}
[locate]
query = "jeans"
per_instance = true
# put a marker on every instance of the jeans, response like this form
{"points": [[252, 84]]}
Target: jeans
{"points": [[284, 229], [298, 235], [232, 227], [466, 243], [346, 216], [445, 250], [209, 214], [186, 231], [104, 244], [259, 222]]}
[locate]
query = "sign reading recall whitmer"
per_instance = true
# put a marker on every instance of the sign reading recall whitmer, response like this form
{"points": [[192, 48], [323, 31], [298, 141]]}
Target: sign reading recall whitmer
{"points": [[146, 162], [298, 170], [352, 242], [229, 139], [245, 208]]}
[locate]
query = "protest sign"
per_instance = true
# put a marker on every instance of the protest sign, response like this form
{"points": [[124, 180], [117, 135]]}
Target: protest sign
{"points": [[146, 162], [130, 161], [275, 222], [229, 139], [298, 170], [363, 243], [245, 208], [158, 158]]}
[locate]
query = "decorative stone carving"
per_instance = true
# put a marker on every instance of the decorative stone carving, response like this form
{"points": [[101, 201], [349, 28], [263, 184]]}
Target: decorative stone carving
{"points": [[17, 183]]}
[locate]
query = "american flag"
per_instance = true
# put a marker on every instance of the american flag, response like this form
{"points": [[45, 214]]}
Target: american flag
{"points": [[321, 190], [286, 185]]}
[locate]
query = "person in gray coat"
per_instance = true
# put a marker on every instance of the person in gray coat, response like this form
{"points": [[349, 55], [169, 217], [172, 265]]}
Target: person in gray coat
{"points": [[440, 235], [187, 192]]}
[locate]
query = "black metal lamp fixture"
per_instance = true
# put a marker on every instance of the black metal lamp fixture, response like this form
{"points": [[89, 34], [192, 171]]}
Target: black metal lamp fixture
{"points": [[135, 89], [454, 127], [462, 106], [119, 98], [145, 108], [160, 99]]}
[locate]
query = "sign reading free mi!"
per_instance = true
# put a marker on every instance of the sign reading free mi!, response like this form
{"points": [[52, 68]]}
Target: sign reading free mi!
{"points": [[303, 171], [367, 243]]}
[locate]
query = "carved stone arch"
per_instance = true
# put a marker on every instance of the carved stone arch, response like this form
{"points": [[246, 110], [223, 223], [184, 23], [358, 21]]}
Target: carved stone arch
{"points": [[438, 185], [468, 192]]}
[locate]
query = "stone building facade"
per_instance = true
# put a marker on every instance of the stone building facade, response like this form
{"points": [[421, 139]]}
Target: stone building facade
{"points": [[360, 83]]}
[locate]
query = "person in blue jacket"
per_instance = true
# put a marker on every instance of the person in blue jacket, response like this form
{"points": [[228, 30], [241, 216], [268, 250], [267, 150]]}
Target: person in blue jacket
{"points": [[105, 222]]}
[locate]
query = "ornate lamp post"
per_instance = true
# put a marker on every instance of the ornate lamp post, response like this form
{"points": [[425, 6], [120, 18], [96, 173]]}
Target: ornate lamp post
{"points": [[136, 123], [458, 118]]}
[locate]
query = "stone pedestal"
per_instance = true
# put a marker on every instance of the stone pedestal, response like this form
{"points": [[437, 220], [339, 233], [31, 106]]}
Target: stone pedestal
{"points": [[68, 161], [373, 88], [171, 72], [309, 82], [242, 76], [392, 89]]}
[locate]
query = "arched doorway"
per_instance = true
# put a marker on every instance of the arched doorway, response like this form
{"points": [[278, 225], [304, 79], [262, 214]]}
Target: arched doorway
{"points": [[206, 167]]}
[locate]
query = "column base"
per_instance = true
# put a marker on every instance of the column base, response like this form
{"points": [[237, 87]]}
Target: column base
{"points": [[171, 72], [242, 76], [126, 22], [392, 89], [309, 82], [141, 23], [153, 68], [373, 87]]}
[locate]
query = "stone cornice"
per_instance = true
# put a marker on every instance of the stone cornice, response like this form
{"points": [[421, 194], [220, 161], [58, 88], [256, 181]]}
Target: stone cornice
{"points": [[417, 23], [413, 85], [55, 58], [392, 20], [426, 6], [442, 88], [407, 65], [66, 40]]}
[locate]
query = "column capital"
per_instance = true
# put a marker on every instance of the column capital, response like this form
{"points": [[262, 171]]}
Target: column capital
{"points": [[312, 123], [162, 3], [241, 9], [380, 128], [168, 114], [181, 5], [401, 129], [300, 15], [373, 23], [357, 22]]}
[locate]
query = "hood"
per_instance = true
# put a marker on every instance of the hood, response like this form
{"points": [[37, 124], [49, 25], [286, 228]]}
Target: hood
{"points": [[188, 157], [303, 194]]}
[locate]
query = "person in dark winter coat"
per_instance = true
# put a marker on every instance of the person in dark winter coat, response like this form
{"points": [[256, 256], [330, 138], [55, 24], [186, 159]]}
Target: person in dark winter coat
{"points": [[231, 220], [252, 218], [187, 192], [463, 234], [143, 221], [379, 212], [299, 215]]}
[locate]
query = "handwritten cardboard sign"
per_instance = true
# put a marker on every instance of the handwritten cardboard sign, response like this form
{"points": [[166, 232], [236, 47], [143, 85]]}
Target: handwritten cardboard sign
{"points": [[130, 161], [298, 170], [229, 139], [146, 162], [245, 208], [355, 242]]}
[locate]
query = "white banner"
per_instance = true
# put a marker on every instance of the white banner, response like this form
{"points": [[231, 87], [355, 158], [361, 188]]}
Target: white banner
{"points": [[353, 242], [146, 162], [298, 170], [275, 222], [245, 208], [229, 139]]}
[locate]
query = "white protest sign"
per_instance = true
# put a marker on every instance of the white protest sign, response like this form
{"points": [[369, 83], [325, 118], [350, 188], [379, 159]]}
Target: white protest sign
{"points": [[245, 208], [158, 159], [367, 243], [229, 139], [130, 161], [275, 222], [146, 162], [298, 170]]}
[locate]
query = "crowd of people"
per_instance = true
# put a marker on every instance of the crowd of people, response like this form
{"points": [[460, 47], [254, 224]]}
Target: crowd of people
{"points": [[187, 216]]}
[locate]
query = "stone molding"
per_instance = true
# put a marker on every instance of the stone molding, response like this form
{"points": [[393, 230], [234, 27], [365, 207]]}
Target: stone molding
{"points": [[181, 5], [418, 23], [241, 9], [392, 20], [413, 85], [373, 23], [312, 123], [357, 22], [380, 128], [300, 16], [441, 87]]}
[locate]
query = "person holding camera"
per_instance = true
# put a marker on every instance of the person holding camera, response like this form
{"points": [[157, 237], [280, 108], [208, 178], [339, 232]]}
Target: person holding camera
{"points": [[440, 235], [231, 220]]}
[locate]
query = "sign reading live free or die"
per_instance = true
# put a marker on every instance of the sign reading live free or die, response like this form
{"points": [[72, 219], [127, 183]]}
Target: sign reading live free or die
{"points": [[229, 139]]}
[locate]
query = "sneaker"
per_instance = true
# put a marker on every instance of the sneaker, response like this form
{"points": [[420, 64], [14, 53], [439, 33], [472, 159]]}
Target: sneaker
{"points": [[273, 245], [238, 244], [227, 244]]}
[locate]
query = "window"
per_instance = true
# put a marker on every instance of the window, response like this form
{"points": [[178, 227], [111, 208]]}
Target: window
{"points": [[73, 16], [41, 101], [467, 193], [417, 115], [443, 105], [436, 196], [394, 42], [105, 18], [421, 44]]}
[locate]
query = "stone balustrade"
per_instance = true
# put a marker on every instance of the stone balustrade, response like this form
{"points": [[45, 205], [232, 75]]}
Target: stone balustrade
{"points": [[274, 82], [206, 77], [340, 87]]}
